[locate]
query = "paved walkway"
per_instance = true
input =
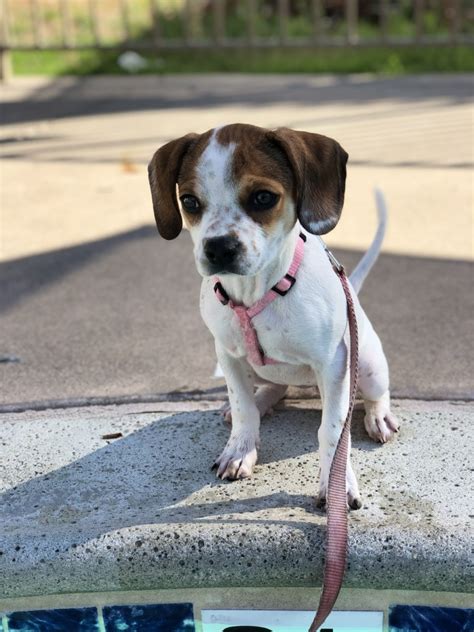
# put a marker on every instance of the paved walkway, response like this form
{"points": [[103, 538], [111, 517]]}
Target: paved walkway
{"points": [[145, 511], [82, 146], [84, 310], [95, 307]]}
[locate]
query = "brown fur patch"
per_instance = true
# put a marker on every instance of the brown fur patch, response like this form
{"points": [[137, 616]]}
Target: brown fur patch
{"points": [[318, 164], [249, 185], [259, 164], [310, 166]]}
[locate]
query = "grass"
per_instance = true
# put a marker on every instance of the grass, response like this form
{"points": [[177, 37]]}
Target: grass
{"points": [[200, 25], [391, 61]]}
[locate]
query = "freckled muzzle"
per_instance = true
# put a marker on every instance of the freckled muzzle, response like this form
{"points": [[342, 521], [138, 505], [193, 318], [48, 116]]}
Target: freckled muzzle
{"points": [[222, 253]]}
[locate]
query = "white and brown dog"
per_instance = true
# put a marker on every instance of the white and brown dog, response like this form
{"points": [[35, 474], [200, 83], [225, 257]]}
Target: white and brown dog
{"points": [[247, 194]]}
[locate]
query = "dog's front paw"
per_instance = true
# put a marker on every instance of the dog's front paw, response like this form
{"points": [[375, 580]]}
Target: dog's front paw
{"points": [[238, 458], [380, 423], [352, 489], [354, 500]]}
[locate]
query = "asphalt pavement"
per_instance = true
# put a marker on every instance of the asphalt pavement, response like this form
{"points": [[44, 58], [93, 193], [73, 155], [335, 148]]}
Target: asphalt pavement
{"points": [[96, 307]]}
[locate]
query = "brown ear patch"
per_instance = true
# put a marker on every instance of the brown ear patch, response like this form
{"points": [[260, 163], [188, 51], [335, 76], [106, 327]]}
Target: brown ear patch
{"points": [[319, 167], [163, 174]]}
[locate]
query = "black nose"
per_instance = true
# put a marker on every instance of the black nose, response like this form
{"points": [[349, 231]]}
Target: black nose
{"points": [[221, 251]]}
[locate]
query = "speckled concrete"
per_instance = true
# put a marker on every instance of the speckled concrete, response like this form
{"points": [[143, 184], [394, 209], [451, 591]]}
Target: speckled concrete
{"points": [[80, 513]]}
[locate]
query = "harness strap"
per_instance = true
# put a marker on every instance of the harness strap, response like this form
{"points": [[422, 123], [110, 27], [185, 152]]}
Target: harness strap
{"points": [[336, 547], [255, 353]]}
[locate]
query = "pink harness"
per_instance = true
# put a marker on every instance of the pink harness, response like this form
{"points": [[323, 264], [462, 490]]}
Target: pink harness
{"points": [[255, 353]]}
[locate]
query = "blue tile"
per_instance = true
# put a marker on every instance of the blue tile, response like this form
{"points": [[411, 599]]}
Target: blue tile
{"points": [[174, 617], [62, 620], [430, 619]]}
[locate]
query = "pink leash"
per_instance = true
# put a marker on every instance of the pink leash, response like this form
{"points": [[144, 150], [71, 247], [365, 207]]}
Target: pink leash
{"points": [[336, 548]]}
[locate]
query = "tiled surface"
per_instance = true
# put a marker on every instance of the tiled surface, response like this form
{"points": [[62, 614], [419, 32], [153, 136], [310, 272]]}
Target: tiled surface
{"points": [[430, 619], [155, 618], [70, 619], [179, 617], [143, 618]]}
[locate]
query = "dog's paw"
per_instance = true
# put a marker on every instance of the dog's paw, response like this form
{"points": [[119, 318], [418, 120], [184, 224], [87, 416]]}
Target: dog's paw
{"points": [[354, 500], [237, 459], [380, 423], [352, 493]]}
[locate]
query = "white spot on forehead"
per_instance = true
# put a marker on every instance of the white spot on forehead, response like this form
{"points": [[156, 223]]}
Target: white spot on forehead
{"points": [[214, 170]]}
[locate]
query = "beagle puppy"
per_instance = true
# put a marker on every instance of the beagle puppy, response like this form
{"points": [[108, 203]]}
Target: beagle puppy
{"points": [[249, 196]]}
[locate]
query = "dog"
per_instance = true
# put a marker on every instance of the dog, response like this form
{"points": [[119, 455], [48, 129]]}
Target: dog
{"points": [[249, 196]]}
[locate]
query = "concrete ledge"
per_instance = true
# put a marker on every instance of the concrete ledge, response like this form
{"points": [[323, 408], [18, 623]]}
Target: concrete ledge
{"points": [[80, 513]]}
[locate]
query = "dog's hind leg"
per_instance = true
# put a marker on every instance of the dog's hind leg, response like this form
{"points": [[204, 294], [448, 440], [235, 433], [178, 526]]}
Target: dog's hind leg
{"points": [[334, 388], [267, 396], [380, 422]]}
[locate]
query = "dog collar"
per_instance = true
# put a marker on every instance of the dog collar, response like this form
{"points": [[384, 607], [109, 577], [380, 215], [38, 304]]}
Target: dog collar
{"points": [[255, 353]]}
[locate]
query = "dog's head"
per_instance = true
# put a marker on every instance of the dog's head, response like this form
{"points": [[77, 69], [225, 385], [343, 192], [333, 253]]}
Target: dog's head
{"points": [[240, 189]]}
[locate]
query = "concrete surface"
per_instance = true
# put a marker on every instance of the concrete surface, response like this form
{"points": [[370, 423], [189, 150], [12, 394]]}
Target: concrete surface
{"points": [[75, 150], [145, 511], [94, 305], [120, 318]]}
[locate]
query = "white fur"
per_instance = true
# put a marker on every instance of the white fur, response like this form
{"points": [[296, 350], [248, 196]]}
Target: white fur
{"points": [[306, 331], [321, 226], [364, 266]]}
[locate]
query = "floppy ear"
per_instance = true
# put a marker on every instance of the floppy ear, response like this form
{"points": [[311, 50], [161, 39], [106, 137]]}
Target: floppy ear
{"points": [[319, 168], [163, 172]]}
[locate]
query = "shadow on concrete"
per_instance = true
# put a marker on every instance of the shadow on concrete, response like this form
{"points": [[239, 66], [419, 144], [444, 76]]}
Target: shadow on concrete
{"points": [[164, 447], [145, 511], [119, 318], [68, 97], [21, 278], [158, 477]]}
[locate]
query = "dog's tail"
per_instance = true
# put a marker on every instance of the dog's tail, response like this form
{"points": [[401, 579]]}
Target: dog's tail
{"points": [[364, 266]]}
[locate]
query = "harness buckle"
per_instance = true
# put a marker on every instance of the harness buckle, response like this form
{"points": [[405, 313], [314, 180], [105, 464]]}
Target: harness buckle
{"points": [[289, 278]]}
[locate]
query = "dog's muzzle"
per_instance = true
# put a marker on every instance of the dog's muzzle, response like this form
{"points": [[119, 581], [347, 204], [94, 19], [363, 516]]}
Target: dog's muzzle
{"points": [[222, 253]]}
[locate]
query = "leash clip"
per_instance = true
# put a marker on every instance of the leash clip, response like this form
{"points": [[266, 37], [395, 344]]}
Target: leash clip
{"points": [[338, 267]]}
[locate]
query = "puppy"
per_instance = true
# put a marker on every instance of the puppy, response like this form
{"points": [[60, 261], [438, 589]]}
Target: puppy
{"points": [[249, 196]]}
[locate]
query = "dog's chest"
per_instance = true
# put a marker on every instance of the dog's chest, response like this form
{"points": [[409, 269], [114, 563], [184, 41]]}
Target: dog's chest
{"points": [[278, 335]]}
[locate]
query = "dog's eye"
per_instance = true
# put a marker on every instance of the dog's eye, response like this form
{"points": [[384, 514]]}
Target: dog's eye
{"points": [[262, 200], [190, 203]]}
